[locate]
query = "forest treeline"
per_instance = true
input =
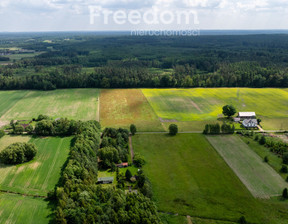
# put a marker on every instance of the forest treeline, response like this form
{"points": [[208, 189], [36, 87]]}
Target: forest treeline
{"points": [[242, 74], [155, 62], [80, 200]]}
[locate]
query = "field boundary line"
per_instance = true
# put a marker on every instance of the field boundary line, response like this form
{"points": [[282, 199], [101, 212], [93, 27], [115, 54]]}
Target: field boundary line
{"points": [[131, 148], [98, 107], [26, 195], [158, 118], [199, 217]]}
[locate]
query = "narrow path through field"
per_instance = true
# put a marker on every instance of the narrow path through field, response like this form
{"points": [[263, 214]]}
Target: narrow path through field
{"points": [[166, 132], [196, 106], [189, 221], [260, 129], [131, 148], [98, 110]]}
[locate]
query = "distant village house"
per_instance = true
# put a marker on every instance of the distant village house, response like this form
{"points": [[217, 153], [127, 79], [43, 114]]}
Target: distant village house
{"points": [[122, 165]]}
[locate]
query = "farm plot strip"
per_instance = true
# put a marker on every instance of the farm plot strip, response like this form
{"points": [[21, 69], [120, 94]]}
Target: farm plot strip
{"points": [[259, 178], [17, 208], [189, 177], [79, 104], [123, 107], [40, 175]]}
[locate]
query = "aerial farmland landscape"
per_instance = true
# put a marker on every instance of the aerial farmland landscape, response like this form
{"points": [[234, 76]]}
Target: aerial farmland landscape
{"points": [[143, 112]]}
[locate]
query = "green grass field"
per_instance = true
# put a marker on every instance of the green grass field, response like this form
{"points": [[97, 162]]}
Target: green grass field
{"points": [[190, 178], [9, 98], [189, 105], [71, 103], [261, 180], [21, 209], [40, 175]]}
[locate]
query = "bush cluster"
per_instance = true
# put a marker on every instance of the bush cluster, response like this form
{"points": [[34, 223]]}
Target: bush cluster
{"points": [[18, 153]]}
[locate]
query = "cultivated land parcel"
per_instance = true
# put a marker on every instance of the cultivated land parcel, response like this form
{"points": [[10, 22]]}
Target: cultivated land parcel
{"points": [[189, 177], [40, 175], [21, 209], [259, 178], [75, 104], [34, 178], [195, 107], [149, 109]]}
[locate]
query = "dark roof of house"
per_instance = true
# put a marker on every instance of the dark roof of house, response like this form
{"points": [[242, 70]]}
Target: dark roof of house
{"points": [[250, 123], [106, 179]]}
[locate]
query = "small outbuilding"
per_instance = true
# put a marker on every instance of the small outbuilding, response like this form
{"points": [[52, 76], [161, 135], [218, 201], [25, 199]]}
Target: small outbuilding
{"points": [[105, 180], [246, 115], [122, 165], [250, 123]]}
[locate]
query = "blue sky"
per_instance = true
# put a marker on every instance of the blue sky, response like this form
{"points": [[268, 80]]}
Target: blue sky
{"points": [[74, 15]]}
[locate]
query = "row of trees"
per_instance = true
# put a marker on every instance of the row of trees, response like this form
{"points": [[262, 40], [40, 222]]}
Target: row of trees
{"points": [[216, 129]]}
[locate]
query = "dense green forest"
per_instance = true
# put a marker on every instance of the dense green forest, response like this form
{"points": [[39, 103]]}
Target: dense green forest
{"points": [[71, 60], [80, 200]]}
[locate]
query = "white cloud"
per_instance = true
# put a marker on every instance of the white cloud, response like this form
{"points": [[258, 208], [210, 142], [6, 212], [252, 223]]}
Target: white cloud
{"points": [[74, 14]]}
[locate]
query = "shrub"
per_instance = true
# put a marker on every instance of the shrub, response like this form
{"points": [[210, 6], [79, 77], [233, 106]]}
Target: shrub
{"points": [[262, 140], [133, 129], [128, 174], [18, 129], [266, 160], [138, 160], [44, 128], [29, 129], [242, 220], [2, 133], [284, 169], [285, 193], [173, 129], [42, 117], [257, 137], [285, 158], [18, 153]]}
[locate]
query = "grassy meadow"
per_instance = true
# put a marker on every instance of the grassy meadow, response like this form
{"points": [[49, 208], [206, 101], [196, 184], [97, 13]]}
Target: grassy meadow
{"points": [[259, 178], [123, 107], [10, 139], [40, 175], [78, 104], [194, 105], [9, 98], [21, 209], [189, 177]]}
